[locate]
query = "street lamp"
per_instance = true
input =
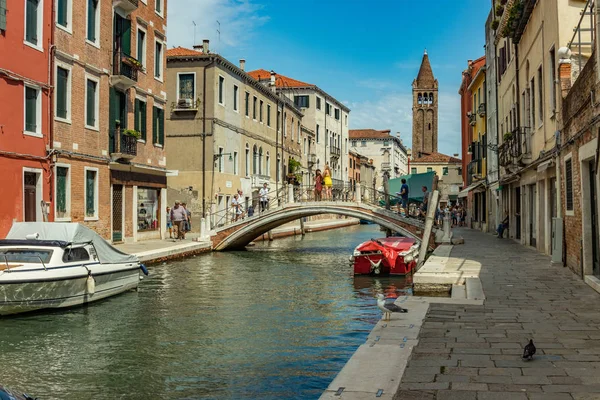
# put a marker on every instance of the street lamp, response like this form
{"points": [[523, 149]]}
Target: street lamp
{"points": [[217, 156]]}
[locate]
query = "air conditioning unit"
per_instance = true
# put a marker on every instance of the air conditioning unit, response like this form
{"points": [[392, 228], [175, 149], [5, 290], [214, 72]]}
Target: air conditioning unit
{"points": [[185, 103]]}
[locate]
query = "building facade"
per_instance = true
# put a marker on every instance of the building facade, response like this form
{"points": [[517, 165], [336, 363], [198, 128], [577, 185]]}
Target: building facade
{"points": [[25, 123], [425, 111], [226, 131], [387, 151]]}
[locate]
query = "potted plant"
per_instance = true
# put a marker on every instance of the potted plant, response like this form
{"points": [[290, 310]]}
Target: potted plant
{"points": [[495, 24], [132, 133], [499, 9], [507, 136], [132, 62]]}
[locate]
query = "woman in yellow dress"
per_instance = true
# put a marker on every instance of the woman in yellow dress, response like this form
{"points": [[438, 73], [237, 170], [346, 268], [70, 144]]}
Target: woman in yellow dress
{"points": [[327, 182]]}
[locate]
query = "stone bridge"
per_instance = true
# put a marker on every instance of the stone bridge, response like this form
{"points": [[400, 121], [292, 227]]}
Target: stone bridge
{"points": [[239, 234]]}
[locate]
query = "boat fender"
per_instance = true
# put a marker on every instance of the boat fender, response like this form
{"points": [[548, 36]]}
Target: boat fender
{"points": [[90, 283], [144, 269]]}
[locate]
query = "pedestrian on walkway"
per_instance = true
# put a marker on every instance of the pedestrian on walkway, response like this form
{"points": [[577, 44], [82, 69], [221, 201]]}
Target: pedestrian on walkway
{"points": [[318, 185], [178, 216], [503, 225], [264, 199], [187, 225], [169, 223]]}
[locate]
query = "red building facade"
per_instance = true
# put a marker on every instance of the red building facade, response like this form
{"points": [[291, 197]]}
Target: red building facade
{"points": [[25, 112]]}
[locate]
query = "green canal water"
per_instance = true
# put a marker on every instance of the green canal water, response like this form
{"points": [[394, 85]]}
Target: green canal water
{"points": [[276, 322]]}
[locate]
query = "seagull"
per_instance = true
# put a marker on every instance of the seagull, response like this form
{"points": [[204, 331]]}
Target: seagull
{"points": [[529, 351], [388, 309]]}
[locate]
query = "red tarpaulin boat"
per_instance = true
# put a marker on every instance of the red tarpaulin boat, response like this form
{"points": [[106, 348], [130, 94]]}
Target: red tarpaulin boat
{"points": [[386, 256]]}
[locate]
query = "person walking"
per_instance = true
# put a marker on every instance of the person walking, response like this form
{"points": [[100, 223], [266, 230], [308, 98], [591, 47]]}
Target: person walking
{"points": [[178, 216], [187, 225], [235, 208], [425, 202], [328, 182], [318, 185], [169, 223], [403, 193], [503, 225], [264, 198]]}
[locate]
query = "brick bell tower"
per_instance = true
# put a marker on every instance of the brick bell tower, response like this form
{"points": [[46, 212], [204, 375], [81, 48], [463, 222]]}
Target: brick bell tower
{"points": [[425, 111]]}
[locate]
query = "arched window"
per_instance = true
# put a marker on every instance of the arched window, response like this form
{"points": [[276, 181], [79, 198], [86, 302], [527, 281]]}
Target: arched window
{"points": [[254, 160], [268, 166], [420, 99], [429, 126], [247, 159], [430, 98], [278, 165], [260, 161]]}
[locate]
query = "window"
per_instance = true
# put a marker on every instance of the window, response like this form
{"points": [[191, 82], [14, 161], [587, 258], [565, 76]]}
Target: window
{"points": [[33, 22], [569, 183], [63, 94], [532, 93], [353, 143], [346, 118], [91, 104], [221, 90], [63, 192], [247, 104], [445, 171], [254, 160], [260, 161], [33, 111], [187, 86], [93, 20], [317, 132], [327, 108], [247, 160], [301, 101], [2, 15], [235, 97], [386, 143], [429, 169], [292, 129], [63, 14], [285, 124], [304, 147], [159, 7], [541, 95], [413, 170], [141, 46], [158, 60], [298, 137], [140, 118], [91, 193], [337, 113], [268, 115], [260, 111], [158, 126], [363, 143], [235, 163], [147, 209], [278, 120], [553, 78], [220, 160], [318, 103], [268, 168], [76, 254], [254, 103]]}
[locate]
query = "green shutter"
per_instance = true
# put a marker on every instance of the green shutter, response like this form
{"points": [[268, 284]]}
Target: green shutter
{"points": [[143, 122], [91, 103], [112, 117], [158, 6], [136, 115], [154, 125], [30, 109], [61, 13], [90, 189], [157, 59], [3, 15], [91, 25], [31, 32], [126, 36], [161, 127], [62, 79], [141, 43], [61, 189]]}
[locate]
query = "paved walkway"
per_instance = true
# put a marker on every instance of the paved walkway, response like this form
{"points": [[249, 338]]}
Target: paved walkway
{"points": [[474, 352]]}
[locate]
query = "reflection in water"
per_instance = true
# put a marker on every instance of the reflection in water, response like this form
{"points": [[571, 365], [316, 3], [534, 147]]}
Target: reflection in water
{"points": [[278, 321]]}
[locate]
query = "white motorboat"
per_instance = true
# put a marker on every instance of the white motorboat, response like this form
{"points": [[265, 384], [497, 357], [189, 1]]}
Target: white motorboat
{"points": [[54, 265]]}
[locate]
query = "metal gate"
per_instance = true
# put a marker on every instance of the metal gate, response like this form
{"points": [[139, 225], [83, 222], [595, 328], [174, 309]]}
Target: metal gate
{"points": [[117, 213]]}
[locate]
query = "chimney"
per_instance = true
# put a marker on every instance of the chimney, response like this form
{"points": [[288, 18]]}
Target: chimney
{"points": [[456, 155], [242, 64], [564, 70], [198, 47], [272, 82], [205, 48]]}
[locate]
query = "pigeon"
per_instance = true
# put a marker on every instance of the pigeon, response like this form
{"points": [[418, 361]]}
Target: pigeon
{"points": [[388, 309], [529, 351]]}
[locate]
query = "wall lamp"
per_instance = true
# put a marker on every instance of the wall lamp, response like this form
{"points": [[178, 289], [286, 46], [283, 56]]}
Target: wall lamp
{"points": [[217, 156]]}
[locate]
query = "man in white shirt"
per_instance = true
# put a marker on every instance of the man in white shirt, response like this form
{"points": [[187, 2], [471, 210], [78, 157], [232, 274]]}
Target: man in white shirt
{"points": [[264, 198]]}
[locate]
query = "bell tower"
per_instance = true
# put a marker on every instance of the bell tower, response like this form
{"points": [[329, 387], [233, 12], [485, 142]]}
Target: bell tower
{"points": [[425, 111]]}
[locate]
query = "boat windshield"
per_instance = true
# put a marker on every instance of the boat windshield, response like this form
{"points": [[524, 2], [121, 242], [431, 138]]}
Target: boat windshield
{"points": [[25, 255]]}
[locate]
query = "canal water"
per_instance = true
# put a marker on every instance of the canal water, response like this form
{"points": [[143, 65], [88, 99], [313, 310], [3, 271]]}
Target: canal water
{"points": [[276, 322]]}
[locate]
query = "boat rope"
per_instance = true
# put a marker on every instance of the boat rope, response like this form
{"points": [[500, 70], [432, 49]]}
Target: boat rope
{"points": [[375, 266]]}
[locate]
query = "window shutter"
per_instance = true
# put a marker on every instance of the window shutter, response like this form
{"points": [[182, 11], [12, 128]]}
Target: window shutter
{"points": [[30, 110], [136, 114], [61, 189], [90, 106], [126, 36], [31, 18], [154, 125], [143, 120], [161, 126], [91, 27], [89, 193], [62, 78], [3, 15], [62, 12]]}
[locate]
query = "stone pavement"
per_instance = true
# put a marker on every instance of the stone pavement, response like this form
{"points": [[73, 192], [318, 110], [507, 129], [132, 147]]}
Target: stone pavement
{"points": [[474, 352]]}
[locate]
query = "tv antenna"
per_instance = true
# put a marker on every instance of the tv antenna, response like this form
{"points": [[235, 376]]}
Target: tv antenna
{"points": [[194, 33], [219, 36]]}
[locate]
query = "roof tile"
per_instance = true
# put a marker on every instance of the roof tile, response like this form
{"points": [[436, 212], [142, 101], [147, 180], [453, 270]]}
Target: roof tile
{"points": [[369, 134], [436, 158], [182, 52], [280, 80]]}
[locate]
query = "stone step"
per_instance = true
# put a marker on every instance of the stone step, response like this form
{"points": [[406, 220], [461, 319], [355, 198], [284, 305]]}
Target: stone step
{"points": [[459, 292], [474, 289]]}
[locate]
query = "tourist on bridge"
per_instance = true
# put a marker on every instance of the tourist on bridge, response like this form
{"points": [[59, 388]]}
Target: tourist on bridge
{"points": [[328, 182], [403, 193], [318, 185], [264, 198], [178, 216], [425, 202]]}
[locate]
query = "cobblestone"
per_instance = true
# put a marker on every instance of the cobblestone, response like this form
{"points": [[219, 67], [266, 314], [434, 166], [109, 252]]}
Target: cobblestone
{"points": [[474, 352]]}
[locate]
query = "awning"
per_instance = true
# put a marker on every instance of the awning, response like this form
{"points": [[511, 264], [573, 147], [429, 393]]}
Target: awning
{"points": [[545, 165], [509, 178], [473, 186]]}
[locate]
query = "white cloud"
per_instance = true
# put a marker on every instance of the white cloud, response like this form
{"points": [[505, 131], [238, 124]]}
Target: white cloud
{"points": [[394, 111], [238, 18]]}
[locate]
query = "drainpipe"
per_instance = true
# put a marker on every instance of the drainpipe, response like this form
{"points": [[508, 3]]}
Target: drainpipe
{"points": [[204, 135]]}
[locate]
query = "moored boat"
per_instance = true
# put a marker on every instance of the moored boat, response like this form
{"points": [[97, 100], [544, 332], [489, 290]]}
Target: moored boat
{"points": [[54, 265], [385, 256]]}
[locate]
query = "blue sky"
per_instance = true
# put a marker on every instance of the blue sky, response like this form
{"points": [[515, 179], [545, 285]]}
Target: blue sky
{"points": [[364, 53]]}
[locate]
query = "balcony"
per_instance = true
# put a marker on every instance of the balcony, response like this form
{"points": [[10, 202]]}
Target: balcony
{"points": [[386, 166], [125, 71], [335, 152], [122, 146], [126, 6], [515, 150], [312, 159], [185, 105], [259, 180], [481, 110]]}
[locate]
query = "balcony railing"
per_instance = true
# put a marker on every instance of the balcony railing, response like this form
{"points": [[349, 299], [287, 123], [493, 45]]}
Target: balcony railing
{"points": [[335, 151], [185, 105], [128, 6], [515, 148], [125, 70], [312, 159], [472, 117], [122, 146]]}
